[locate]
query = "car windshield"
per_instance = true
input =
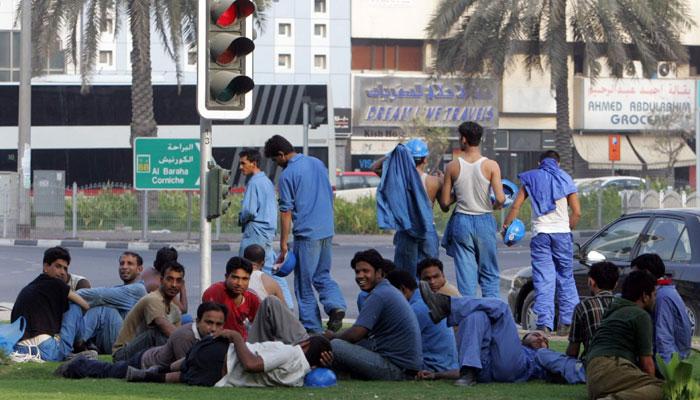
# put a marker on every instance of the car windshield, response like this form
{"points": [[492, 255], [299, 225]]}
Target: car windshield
{"points": [[617, 241], [590, 186]]}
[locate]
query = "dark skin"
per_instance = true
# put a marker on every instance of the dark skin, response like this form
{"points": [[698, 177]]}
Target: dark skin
{"points": [[170, 285], [236, 284], [282, 159]]}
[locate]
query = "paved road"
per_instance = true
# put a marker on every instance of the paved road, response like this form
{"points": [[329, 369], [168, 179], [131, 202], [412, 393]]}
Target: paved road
{"points": [[19, 265]]}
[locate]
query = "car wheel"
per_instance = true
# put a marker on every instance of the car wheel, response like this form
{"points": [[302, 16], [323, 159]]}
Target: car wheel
{"points": [[528, 318], [693, 312]]}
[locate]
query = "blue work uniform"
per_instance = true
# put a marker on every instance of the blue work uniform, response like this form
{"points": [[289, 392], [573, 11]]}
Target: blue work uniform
{"points": [[438, 340], [672, 329]]}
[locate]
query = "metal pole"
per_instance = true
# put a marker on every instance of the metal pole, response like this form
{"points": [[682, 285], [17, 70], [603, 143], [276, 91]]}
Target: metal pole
{"points": [[5, 211], [144, 216], [204, 225], [189, 215], [697, 145], [332, 151], [24, 139], [599, 198], [306, 126], [75, 210], [218, 228]]}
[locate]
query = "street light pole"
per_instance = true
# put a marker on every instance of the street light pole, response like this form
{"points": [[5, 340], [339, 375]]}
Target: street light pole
{"points": [[204, 224], [24, 151]]}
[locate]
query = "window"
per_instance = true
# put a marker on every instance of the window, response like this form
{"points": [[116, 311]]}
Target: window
{"points": [[285, 29], [617, 242], [107, 25], [191, 58], [662, 237], [382, 54], [320, 30], [320, 61], [500, 140], [105, 57], [320, 6], [284, 61], [682, 252], [9, 57]]}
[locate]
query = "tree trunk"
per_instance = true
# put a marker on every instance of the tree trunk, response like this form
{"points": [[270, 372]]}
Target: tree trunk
{"points": [[143, 122], [561, 65]]}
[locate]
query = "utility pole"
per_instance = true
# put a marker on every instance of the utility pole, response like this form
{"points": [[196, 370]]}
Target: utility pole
{"points": [[305, 121], [24, 138], [204, 223]]}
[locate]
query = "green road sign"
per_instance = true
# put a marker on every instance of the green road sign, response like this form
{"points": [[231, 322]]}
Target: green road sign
{"points": [[166, 164]]}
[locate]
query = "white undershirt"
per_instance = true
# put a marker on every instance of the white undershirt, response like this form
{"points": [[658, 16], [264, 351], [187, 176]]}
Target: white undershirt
{"points": [[556, 221]]}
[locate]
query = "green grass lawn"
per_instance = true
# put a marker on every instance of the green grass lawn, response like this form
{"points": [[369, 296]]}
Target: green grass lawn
{"points": [[36, 381]]}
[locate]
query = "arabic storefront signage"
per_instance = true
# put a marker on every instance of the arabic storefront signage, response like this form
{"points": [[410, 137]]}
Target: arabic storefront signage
{"points": [[634, 104], [341, 120], [166, 164], [394, 101]]}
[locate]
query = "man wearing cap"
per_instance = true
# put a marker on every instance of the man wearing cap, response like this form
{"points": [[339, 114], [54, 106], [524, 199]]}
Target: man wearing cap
{"points": [[551, 191]]}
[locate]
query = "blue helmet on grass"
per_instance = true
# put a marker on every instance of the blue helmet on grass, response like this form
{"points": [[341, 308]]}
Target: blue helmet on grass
{"points": [[320, 378], [514, 233], [417, 147]]}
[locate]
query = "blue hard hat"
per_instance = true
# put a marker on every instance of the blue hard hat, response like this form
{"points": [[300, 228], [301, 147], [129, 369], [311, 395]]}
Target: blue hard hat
{"points": [[514, 233], [417, 147], [320, 377], [510, 189], [287, 266]]}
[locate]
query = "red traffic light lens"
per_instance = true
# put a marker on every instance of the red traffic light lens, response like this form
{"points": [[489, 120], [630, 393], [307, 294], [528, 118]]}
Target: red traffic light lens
{"points": [[238, 9]]}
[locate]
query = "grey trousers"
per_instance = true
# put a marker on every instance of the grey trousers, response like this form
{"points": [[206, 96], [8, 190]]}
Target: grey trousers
{"points": [[152, 337], [363, 363], [275, 322]]}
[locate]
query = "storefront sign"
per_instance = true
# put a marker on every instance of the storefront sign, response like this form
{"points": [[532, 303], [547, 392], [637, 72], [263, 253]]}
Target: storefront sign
{"points": [[341, 120], [614, 147], [634, 104], [392, 101]]}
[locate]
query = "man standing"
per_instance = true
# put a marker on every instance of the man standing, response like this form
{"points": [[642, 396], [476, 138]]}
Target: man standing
{"points": [[258, 216], [306, 199], [602, 278], [619, 364], [551, 191], [233, 292], [52, 311], [470, 235], [385, 341], [431, 270], [154, 318]]}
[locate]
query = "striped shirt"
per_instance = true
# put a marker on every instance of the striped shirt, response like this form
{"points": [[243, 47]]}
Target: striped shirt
{"points": [[587, 317]]}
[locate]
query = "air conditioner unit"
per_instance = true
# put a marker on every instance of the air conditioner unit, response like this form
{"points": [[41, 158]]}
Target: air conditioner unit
{"points": [[666, 70]]}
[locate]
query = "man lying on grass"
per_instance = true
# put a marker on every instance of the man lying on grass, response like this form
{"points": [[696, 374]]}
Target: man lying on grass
{"points": [[489, 347]]}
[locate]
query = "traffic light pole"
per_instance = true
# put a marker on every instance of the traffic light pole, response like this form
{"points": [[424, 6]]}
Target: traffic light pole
{"points": [[305, 121], [24, 151], [204, 224]]}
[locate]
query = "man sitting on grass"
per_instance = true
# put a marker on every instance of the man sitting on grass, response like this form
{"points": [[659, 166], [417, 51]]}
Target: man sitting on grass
{"points": [[602, 278], [431, 271], [154, 318], [210, 320], [261, 284], [387, 267], [619, 364], [385, 342], [489, 347]]}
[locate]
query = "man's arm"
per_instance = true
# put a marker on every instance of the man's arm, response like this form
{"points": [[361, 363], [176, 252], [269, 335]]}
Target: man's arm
{"points": [[496, 184], [351, 335], [573, 349], [273, 288], [429, 376], [251, 362], [285, 228], [75, 298], [515, 208], [664, 326], [575, 206], [376, 166], [166, 327], [249, 205], [445, 199], [646, 364], [182, 301]]}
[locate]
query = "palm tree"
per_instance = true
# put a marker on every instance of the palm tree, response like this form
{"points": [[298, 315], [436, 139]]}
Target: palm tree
{"points": [[479, 37], [175, 23]]}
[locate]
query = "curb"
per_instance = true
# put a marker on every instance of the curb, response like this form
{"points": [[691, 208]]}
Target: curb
{"points": [[101, 244]]}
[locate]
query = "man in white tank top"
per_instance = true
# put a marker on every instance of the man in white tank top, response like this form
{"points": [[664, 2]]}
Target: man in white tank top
{"points": [[260, 283], [551, 191], [470, 235]]}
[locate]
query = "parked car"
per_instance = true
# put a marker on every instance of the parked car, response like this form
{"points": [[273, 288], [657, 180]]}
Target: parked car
{"points": [[587, 185], [351, 186], [666, 232]]}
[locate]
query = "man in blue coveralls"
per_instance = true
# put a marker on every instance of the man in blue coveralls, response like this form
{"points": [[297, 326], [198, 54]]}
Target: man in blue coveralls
{"points": [[489, 347], [258, 216], [551, 191], [306, 199]]}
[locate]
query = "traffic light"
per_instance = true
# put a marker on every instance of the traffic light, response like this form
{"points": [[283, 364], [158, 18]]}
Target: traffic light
{"points": [[317, 115], [217, 192], [225, 62]]}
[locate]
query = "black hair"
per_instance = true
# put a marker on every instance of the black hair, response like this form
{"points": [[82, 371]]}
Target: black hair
{"points": [[472, 132], [277, 144], [210, 306], [419, 160], [253, 155], [605, 274], [172, 266], [254, 253], [650, 262], [139, 260], [56, 253], [235, 263], [164, 256], [638, 283], [387, 266], [400, 278], [427, 263], [317, 345], [550, 154], [371, 257]]}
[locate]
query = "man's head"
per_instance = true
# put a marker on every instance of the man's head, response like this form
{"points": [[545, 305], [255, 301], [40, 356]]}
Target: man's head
{"points": [[431, 271], [640, 287], [210, 318], [238, 272], [650, 262], [550, 154], [56, 262], [387, 266], [279, 149], [535, 340], [470, 134], [313, 349], [603, 276], [256, 255], [250, 161], [172, 277], [404, 281], [130, 267], [368, 266], [164, 256]]}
